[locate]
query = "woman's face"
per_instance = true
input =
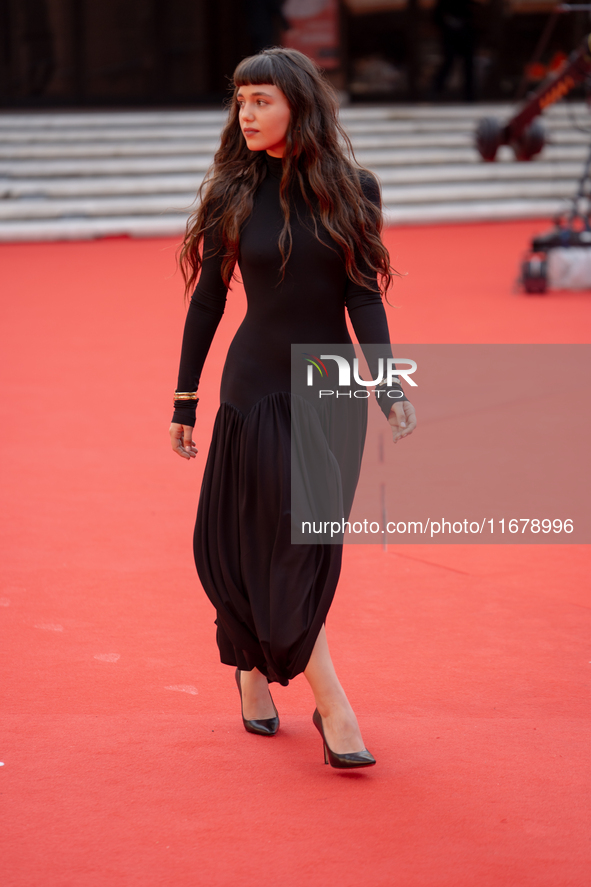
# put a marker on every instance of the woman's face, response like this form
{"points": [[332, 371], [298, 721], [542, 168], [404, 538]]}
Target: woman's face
{"points": [[264, 118]]}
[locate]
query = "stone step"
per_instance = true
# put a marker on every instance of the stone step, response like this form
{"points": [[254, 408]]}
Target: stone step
{"points": [[484, 172], [34, 207], [447, 193], [17, 134], [370, 114], [376, 159], [12, 148], [502, 111], [99, 150], [81, 186], [126, 166], [89, 228], [62, 120], [466, 211], [85, 207], [188, 183], [174, 225], [115, 134]]}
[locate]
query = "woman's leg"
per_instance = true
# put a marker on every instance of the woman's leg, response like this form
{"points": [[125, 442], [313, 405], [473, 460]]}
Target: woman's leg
{"points": [[256, 700], [338, 718]]}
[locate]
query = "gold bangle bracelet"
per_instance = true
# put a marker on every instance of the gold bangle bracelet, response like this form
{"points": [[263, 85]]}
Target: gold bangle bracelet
{"points": [[185, 395], [393, 384]]}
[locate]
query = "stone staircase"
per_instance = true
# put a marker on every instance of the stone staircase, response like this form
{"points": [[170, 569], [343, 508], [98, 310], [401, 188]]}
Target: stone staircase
{"points": [[95, 174]]}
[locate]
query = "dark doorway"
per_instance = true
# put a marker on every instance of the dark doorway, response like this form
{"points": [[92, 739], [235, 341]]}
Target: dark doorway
{"points": [[119, 52]]}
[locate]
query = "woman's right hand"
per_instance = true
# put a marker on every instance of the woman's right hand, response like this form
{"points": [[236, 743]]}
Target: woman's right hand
{"points": [[181, 438], [402, 419]]}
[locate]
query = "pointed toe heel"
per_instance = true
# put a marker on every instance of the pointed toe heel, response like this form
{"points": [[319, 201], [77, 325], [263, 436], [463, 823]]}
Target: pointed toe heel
{"points": [[341, 762], [263, 727]]}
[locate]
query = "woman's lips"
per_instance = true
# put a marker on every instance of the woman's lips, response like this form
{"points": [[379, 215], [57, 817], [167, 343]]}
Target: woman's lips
{"points": [[250, 132]]}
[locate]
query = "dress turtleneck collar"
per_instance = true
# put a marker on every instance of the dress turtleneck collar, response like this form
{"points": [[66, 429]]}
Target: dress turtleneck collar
{"points": [[275, 166]]}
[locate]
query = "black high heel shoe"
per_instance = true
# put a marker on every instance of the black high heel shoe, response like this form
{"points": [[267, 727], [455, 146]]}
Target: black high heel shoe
{"points": [[265, 727], [341, 762]]}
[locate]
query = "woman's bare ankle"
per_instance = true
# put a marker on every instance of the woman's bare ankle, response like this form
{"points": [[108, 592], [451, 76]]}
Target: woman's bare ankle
{"points": [[341, 730], [253, 679], [256, 697], [334, 704]]}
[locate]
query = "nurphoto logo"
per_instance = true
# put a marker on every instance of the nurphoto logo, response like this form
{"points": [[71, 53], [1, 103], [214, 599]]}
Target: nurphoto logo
{"points": [[383, 381]]}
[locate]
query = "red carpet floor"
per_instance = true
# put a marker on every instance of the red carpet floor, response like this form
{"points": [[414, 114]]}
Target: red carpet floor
{"points": [[125, 762]]}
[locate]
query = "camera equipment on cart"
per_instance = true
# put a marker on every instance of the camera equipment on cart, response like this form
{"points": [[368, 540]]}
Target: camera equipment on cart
{"points": [[561, 257]]}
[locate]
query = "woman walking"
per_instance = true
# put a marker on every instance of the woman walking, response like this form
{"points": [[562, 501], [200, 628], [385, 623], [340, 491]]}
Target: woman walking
{"points": [[285, 203]]}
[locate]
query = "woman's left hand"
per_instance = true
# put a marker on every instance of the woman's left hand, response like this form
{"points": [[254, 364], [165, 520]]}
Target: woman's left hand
{"points": [[403, 420]]}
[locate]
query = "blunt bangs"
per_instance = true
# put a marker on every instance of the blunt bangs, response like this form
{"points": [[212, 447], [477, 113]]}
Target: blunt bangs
{"points": [[255, 70]]}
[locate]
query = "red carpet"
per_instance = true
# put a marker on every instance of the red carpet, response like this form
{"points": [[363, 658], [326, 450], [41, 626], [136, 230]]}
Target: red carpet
{"points": [[125, 762]]}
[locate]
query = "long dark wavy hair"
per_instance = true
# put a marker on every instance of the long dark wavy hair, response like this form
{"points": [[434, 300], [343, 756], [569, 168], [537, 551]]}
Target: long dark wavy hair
{"points": [[318, 159]]}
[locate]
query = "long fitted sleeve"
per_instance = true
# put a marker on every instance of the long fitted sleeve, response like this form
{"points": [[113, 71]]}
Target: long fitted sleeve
{"points": [[366, 308], [205, 312]]}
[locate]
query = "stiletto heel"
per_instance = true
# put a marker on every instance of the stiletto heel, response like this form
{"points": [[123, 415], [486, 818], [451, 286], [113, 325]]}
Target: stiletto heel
{"points": [[264, 727], [341, 762]]}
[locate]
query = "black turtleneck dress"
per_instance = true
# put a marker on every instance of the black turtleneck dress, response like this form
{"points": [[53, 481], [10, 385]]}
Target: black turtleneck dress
{"points": [[271, 596]]}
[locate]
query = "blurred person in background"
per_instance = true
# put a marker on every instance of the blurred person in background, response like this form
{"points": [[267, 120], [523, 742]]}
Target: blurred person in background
{"points": [[455, 20], [265, 21]]}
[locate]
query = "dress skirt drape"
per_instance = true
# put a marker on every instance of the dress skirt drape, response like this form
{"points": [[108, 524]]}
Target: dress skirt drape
{"points": [[271, 596]]}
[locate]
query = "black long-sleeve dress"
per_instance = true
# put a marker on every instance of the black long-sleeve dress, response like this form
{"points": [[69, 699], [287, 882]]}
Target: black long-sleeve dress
{"points": [[271, 597]]}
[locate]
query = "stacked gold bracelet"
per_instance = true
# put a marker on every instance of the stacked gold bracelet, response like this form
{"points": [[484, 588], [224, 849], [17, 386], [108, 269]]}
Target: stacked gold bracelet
{"points": [[185, 395], [393, 384]]}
